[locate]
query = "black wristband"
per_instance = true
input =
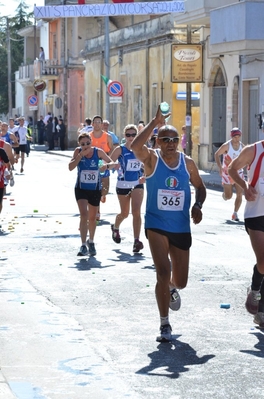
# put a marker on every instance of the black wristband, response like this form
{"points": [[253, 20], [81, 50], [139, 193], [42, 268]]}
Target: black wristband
{"points": [[199, 204]]}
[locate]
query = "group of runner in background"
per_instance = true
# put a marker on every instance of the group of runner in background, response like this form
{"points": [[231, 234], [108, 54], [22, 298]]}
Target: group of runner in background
{"points": [[151, 154]]}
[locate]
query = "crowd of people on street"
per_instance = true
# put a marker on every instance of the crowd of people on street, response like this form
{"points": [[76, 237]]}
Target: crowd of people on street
{"points": [[149, 155], [15, 140], [154, 155], [51, 131]]}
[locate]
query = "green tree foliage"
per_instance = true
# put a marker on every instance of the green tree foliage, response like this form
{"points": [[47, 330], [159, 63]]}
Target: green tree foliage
{"points": [[3, 81], [20, 20]]}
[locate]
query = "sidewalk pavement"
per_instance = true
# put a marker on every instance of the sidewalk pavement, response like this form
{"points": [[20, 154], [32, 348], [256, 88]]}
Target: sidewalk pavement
{"points": [[211, 179]]}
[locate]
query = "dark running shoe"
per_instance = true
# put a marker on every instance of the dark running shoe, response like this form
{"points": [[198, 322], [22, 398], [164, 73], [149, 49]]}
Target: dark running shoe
{"points": [[92, 250], [138, 245], [115, 235], [259, 319], [83, 251], [252, 302]]}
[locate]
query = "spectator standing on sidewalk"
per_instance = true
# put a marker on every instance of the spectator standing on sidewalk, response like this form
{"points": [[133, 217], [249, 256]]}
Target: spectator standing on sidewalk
{"points": [[129, 187], [61, 128], [252, 156], [88, 187], [41, 130], [168, 174], [230, 150], [47, 117], [49, 134]]}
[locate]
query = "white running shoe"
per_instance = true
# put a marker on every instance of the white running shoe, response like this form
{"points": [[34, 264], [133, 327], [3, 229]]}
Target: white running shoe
{"points": [[165, 333], [12, 181], [175, 299], [235, 217]]}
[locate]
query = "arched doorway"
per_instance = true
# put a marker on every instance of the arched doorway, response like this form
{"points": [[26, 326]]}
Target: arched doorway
{"points": [[217, 82]]}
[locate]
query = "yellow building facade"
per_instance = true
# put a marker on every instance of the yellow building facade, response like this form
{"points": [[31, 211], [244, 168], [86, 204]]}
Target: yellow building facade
{"points": [[140, 58]]}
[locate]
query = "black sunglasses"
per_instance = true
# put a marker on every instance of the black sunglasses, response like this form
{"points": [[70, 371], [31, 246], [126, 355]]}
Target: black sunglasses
{"points": [[131, 134], [169, 139], [87, 143]]}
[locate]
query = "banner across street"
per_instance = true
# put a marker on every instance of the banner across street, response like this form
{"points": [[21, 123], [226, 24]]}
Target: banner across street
{"points": [[109, 9]]}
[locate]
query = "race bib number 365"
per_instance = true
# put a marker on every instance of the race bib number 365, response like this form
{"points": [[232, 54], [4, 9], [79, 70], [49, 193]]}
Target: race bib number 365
{"points": [[89, 176], [170, 200]]}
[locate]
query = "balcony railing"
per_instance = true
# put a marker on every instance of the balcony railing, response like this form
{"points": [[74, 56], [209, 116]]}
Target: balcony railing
{"points": [[39, 69], [26, 72], [46, 67]]}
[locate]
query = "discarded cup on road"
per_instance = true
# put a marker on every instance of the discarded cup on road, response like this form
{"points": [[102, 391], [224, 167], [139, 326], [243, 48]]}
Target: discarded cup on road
{"points": [[225, 305]]}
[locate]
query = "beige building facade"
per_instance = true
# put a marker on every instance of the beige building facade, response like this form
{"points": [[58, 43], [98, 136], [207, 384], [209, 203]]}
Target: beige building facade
{"points": [[139, 56]]}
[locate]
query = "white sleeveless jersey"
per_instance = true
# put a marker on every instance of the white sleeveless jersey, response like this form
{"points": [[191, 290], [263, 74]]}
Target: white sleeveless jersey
{"points": [[256, 179], [227, 159]]}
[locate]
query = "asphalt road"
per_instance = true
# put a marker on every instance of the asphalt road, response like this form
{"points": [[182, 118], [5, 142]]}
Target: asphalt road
{"points": [[75, 328]]}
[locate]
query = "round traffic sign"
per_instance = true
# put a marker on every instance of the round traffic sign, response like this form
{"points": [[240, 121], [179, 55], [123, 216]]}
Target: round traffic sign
{"points": [[33, 100], [115, 89]]}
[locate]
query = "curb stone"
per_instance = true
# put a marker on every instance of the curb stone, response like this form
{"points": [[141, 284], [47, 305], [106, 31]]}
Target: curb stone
{"points": [[5, 391]]}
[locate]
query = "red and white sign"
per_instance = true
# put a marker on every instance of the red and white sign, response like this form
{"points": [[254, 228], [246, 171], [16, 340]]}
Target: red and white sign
{"points": [[33, 100], [115, 89]]}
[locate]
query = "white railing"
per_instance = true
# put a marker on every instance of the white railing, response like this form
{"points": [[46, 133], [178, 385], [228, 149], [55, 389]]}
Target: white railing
{"points": [[38, 69], [49, 67]]}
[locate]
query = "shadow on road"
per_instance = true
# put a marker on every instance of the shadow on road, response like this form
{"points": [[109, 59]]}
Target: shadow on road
{"points": [[128, 257], [259, 346], [173, 358], [85, 264]]}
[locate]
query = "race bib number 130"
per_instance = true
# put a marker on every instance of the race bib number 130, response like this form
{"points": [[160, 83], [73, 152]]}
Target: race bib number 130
{"points": [[169, 200], [89, 176]]}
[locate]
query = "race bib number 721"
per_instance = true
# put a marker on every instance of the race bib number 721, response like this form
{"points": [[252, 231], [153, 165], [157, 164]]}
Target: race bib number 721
{"points": [[171, 200]]}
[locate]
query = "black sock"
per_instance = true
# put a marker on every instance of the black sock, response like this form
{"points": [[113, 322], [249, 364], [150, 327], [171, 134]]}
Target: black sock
{"points": [[256, 279]]}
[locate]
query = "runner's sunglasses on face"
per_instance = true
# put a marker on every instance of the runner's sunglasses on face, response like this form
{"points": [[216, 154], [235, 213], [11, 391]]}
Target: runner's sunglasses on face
{"points": [[87, 143], [169, 139], [131, 134]]}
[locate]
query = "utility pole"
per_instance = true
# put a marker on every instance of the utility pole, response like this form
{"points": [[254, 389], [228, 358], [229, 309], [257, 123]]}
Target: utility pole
{"points": [[107, 64], [188, 119], [9, 73]]}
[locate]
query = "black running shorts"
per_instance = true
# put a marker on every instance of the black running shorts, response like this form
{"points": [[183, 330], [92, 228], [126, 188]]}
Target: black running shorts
{"points": [[256, 223], [180, 240], [92, 196], [127, 191]]}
